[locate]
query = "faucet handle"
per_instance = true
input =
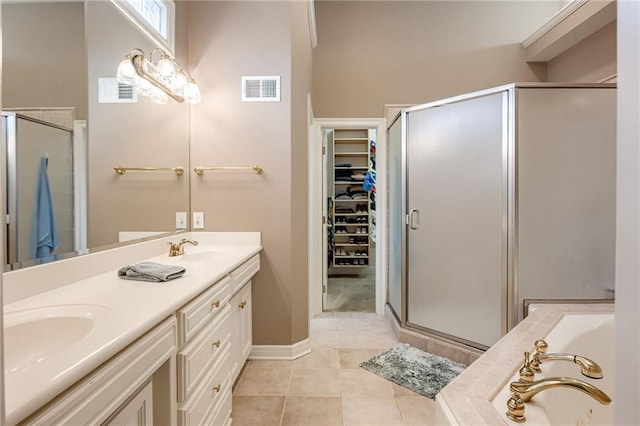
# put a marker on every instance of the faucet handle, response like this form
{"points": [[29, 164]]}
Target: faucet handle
{"points": [[541, 349], [541, 346], [527, 374], [515, 408]]}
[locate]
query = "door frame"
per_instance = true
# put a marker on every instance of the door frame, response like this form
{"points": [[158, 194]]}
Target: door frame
{"points": [[316, 227]]}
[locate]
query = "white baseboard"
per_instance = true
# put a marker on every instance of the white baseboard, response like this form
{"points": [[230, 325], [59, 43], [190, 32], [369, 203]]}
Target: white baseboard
{"points": [[281, 352]]}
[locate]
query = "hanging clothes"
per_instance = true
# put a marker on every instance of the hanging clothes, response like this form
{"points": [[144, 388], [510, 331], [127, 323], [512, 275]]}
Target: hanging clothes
{"points": [[45, 236]]}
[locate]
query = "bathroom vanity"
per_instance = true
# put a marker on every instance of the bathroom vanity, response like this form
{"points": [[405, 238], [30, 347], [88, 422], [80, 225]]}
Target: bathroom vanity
{"points": [[102, 350]]}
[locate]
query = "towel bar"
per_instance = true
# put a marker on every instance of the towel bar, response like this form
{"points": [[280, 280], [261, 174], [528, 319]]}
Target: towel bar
{"points": [[122, 170], [200, 170]]}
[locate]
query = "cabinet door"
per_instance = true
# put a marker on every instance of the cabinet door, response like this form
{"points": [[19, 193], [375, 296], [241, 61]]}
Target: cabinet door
{"points": [[457, 203], [241, 328], [137, 412]]}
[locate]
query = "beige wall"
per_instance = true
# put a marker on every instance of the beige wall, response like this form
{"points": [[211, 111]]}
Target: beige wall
{"points": [[45, 63], [137, 134], [226, 41], [591, 60], [397, 52]]}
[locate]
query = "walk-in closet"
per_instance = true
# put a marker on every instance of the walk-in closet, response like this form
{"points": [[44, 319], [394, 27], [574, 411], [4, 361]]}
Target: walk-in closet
{"points": [[349, 185]]}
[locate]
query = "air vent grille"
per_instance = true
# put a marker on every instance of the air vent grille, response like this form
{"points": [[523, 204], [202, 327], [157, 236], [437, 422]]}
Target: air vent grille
{"points": [[112, 92], [260, 88]]}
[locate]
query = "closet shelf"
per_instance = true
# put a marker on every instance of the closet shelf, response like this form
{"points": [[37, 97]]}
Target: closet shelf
{"points": [[355, 182], [351, 154], [352, 168], [338, 140]]}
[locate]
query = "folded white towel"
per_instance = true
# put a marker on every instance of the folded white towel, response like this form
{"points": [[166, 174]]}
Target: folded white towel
{"points": [[151, 272]]}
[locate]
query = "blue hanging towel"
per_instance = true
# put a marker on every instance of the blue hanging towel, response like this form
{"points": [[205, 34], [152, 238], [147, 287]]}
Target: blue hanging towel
{"points": [[45, 236]]}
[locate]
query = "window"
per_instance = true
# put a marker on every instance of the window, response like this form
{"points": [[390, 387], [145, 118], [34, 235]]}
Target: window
{"points": [[154, 17]]}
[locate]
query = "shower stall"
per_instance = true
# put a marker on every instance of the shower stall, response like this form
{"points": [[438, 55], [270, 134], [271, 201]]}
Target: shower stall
{"points": [[499, 198], [31, 144]]}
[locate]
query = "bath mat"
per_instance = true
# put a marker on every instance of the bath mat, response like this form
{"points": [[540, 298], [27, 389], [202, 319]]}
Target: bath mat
{"points": [[416, 370]]}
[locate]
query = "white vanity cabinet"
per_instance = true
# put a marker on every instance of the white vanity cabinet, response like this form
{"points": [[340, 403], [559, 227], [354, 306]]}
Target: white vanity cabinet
{"points": [[214, 341], [123, 382], [203, 356], [241, 314], [241, 323]]}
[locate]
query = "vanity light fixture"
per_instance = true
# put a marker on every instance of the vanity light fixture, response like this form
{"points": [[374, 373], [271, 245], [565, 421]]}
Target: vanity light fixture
{"points": [[158, 79]]}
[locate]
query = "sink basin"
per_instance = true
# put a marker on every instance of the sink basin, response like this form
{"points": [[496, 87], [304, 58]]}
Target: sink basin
{"points": [[32, 336]]}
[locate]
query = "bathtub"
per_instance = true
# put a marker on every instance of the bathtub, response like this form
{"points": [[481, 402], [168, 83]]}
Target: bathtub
{"points": [[590, 335]]}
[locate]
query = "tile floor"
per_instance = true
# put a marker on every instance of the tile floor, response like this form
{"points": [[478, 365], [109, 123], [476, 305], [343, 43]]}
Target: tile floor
{"points": [[351, 294], [327, 387]]}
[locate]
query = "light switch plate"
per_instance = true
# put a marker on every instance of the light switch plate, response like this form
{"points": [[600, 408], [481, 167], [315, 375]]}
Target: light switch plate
{"points": [[198, 220], [181, 220]]}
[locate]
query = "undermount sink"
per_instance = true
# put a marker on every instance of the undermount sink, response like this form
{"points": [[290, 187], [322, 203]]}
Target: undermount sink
{"points": [[31, 336]]}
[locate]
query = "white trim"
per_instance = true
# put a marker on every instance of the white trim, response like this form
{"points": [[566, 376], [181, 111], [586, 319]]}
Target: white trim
{"points": [[80, 184], [280, 352], [313, 29], [134, 17], [315, 206], [560, 16], [613, 78]]}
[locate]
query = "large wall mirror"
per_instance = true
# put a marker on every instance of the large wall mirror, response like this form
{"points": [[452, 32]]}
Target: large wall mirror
{"points": [[60, 124]]}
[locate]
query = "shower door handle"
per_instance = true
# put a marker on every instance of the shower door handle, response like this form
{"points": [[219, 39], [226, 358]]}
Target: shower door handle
{"points": [[414, 218]]}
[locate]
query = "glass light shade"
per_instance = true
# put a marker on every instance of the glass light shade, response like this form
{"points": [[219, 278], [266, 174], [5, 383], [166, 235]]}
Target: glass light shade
{"points": [[126, 72], [143, 87], [192, 93], [178, 83], [165, 68], [158, 96]]}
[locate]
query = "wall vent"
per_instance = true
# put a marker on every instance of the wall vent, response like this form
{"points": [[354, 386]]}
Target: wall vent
{"points": [[112, 92], [261, 88]]}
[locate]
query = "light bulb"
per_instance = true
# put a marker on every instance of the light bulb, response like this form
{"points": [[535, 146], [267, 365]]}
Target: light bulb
{"points": [[143, 87], [178, 83], [126, 71], [165, 68], [192, 93], [158, 96]]}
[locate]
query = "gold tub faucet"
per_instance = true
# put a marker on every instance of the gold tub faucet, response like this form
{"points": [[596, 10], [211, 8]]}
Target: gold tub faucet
{"points": [[588, 367], [176, 249], [524, 391]]}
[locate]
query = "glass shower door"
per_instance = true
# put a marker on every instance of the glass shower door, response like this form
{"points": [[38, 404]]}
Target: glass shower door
{"points": [[457, 216]]}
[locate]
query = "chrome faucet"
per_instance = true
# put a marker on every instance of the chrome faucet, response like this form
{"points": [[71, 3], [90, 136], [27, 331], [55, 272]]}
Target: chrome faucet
{"points": [[588, 367], [524, 391], [176, 249]]}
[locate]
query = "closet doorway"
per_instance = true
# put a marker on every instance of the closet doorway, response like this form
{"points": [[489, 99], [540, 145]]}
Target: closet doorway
{"points": [[346, 218], [350, 186]]}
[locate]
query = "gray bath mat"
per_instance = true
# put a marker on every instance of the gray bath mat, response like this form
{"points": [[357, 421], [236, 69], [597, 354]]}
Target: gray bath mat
{"points": [[419, 371]]}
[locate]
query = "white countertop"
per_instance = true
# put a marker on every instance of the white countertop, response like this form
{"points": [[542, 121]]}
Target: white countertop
{"points": [[131, 308]]}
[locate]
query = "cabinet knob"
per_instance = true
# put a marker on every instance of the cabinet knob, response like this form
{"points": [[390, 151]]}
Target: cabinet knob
{"points": [[216, 343], [216, 388], [242, 304], [215, 304]]}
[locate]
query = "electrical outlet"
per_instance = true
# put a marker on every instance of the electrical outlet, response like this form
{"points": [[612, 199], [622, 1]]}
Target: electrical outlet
{"points": [[181, 220], [198, 220]]}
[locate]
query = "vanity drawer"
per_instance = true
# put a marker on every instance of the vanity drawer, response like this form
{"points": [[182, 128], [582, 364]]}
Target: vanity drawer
{"points": [[207, 396], [197, 313], [244, 272], [195, 359], [221, 413]]}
